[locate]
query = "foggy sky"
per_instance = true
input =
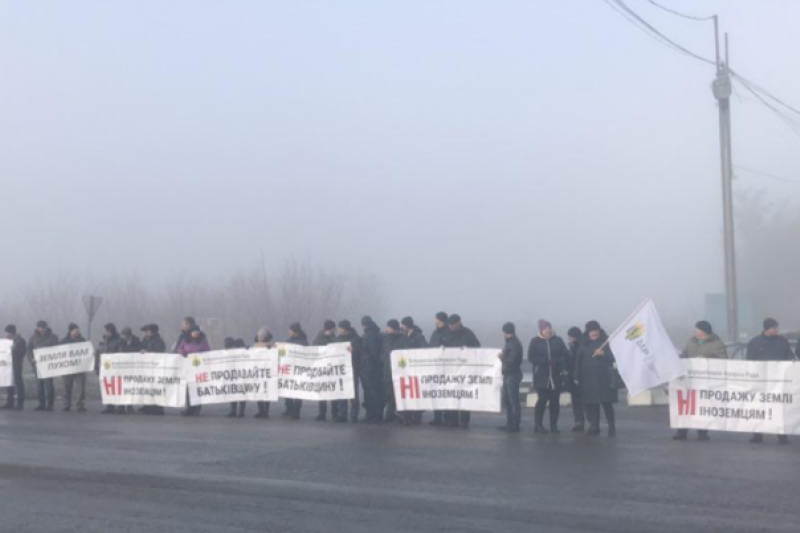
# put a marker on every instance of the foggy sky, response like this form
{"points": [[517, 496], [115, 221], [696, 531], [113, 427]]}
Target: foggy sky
{"points": [[519, 159]]}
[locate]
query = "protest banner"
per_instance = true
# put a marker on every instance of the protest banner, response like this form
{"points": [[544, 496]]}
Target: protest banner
{"points": [[64, 360], [238, 375], [317, 373], [464, 379], [6, 363], [143, 379], [746, 396]]}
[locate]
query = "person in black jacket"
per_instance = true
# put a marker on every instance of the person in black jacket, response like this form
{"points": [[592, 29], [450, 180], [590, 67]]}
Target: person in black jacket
{"points": [[438, 340], [73, 337], [574, 343], [264, 339], [129, 343], [372, 370], [237, 408], [296, 336], [112, 343], [43, 337], [769, 346], [548, 354], [348, 334], [323, 338], [152, 343], [414, 340], [18, 349], [393, 339], [459, 337], [511, 356], [595, 373]]}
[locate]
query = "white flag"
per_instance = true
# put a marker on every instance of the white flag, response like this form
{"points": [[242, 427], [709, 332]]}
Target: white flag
{"points": [[645, 355]]}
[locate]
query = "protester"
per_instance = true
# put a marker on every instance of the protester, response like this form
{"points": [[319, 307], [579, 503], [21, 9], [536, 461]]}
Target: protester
{"points": [[705, 344], [186, 327], [459, 337], [371, 369], [511, 356], [437, 340], [548, 354], [237, 408], [73, 337], [296, 336], [348, 334], [152, 343], [264, 339], [129, 343], [596, 375], [16, 393], [769, 346], [414, 340], [326, 336], [112, 343], [195, 342], [393, 339], [574, 335], [43, 337]]}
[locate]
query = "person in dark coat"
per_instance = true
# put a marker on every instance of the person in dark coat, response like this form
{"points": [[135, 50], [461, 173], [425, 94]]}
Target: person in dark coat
{"points": [[511, 356], [769, 346], [324, 338], [393, 339], [574, 336], [459, 337], [595, 373], [414, 340], [129, 343], [348, 334], [112, 343], [237, 408], [73, 337], [548, 354], [152, 343], [16, 393], [264, 339], [437, 340], [296, 336], [195, 342], [372, 370], [43, 337]]}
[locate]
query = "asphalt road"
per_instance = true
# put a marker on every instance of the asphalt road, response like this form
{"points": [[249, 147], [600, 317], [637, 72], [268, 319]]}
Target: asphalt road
{"points": [[87, 473]]}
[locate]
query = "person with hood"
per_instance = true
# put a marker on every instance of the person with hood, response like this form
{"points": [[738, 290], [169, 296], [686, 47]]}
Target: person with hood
{"points": [[372, 370], [596, 376], [296, 336], [393, 339], [196, 342], [705, 344], [264, 339], [459, 337], [112, 343], [414, 340], [18, 349], [43, 337], [152, 343], [326, 336], [437, 340], [347, 333], [574, 336], [511, 356], [548, 354], [73, 337], [769, 346]]}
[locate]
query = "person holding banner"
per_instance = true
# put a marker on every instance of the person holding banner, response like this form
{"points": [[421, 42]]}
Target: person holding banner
{"points": [[74, 336], [371, 370], [574, 336], [393, 339], [548, 354], [112, 343], [414, 340], [437, 340], [18, 350], [43, 337], [769, 346], [152, 343], [326, 336], [596, 377], [196, 342], [459, 337], [237, 408], [511, 356], [348, 334], [705, 344], [296, 336]]}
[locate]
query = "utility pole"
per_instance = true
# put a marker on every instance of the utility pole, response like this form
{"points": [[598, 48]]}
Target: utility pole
{"points": [[721, 88]]}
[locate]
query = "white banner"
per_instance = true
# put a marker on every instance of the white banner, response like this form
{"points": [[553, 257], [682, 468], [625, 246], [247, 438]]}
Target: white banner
{"points": [[6, 363], [64, 360], [463, 379], [143, 379], [728, 395], [318, 373], [238, 375], [644, 352]]}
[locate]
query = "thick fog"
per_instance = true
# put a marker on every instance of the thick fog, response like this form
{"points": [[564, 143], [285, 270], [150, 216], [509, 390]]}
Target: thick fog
{"points": [[504, 160]]}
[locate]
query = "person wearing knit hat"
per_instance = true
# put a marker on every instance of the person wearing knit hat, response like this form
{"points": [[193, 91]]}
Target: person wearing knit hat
{"points": [[574, 335], [414, 340], [770, 346], [459, 336], [296, 336], [393, 340], [371, 371], [73, 337], [548, 355], [437, 340], [350, 336], [597, 377], [511, 357], [325, 336]]}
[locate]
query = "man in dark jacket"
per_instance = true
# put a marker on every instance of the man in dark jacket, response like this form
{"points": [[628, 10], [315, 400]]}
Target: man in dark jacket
{"points": [[438, 340], [414, 340], [548, 354], [372, 371], [296, 336], [43, 337], [324, 338], [459, 337], [347, 333], [393, 339], [574, 335], [112, 343], [769, 346], [130, 342], [18, 350], [73, 337], [152, 343], [511, 356]]}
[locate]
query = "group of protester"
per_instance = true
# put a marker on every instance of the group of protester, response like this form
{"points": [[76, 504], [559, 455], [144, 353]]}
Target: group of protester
{"points": [[583, 366]]}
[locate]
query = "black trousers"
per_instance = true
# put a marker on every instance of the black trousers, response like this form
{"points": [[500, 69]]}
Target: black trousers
{"points": [[374, 397], [547, 398], [511, 400], [388, 398], [69, 386], [237, 408], [293, 408], [355, 403], [18, 390], [577, 407], [593, 414], [47, 392]]}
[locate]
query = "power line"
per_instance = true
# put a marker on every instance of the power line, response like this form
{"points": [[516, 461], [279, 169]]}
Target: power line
{"points": [[789, 121], [764, 92], [679, 14], [766, 175]]}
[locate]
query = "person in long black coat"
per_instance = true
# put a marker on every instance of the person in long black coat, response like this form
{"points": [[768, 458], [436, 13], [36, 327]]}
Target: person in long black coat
{"points": [[438, 339], [548, 354], [414, 340], [574, 336], [371, 368], [296, 336], [326, 336], [596, 378], [459, 337], [511, 356], [347, 333], [393, 339]]}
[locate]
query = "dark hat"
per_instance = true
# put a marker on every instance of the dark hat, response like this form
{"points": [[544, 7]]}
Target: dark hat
{"points": [[592, 325], [73, 326], [296, 327], [574, 332], [12, 329], [153, 328], [126, 331], [509, 328], [41, 324], [544, 324], [239, 343], [228, 343], [453, 319], [329, 324], [345, 324], [407, 322], [705, 327], [110, 327], [770, 323], [366, 320], [441, 316], [393, 324]]}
